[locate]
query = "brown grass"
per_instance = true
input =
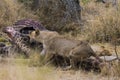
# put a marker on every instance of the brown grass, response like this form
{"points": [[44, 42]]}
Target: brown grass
{"points": [[11, 10], [102, 23], [15, 69]]}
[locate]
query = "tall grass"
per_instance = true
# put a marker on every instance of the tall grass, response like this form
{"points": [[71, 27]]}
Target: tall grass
{"points": [[11, 10], [102, 23], [14, 70]]}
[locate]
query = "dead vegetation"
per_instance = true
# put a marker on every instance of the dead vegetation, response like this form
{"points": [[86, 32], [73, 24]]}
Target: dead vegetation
{"points": [[11, 10], [101, 24], [17, 69]]}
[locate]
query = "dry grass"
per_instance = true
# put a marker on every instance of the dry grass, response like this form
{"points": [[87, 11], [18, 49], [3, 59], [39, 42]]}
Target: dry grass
{"points": [[111, 68], [15, 69], [11, 10], [18, 71], [102, 23], [31, 69]]}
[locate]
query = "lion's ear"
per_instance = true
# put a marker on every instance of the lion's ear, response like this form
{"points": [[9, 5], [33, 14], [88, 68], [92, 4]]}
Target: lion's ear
{"points": [[37, 32], [32, 34]]}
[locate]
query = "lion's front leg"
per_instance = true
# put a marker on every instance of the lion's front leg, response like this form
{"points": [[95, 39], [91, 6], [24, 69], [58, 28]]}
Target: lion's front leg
{"points": [[48, 58], [44, 50]]}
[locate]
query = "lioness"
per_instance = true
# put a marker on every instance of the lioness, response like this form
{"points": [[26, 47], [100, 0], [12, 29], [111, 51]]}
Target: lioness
{"points": [[104, 52], [54, 44], [44, 35]]}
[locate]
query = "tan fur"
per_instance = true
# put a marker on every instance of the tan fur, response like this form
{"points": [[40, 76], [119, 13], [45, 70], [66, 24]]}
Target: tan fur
{"points": [[54, 44], [32, 34], [104, 52], [44, 35]]}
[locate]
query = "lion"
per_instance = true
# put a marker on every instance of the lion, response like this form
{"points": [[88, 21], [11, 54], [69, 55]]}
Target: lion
{"points": [[45, 35], [104, 52], [55, 44]]}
